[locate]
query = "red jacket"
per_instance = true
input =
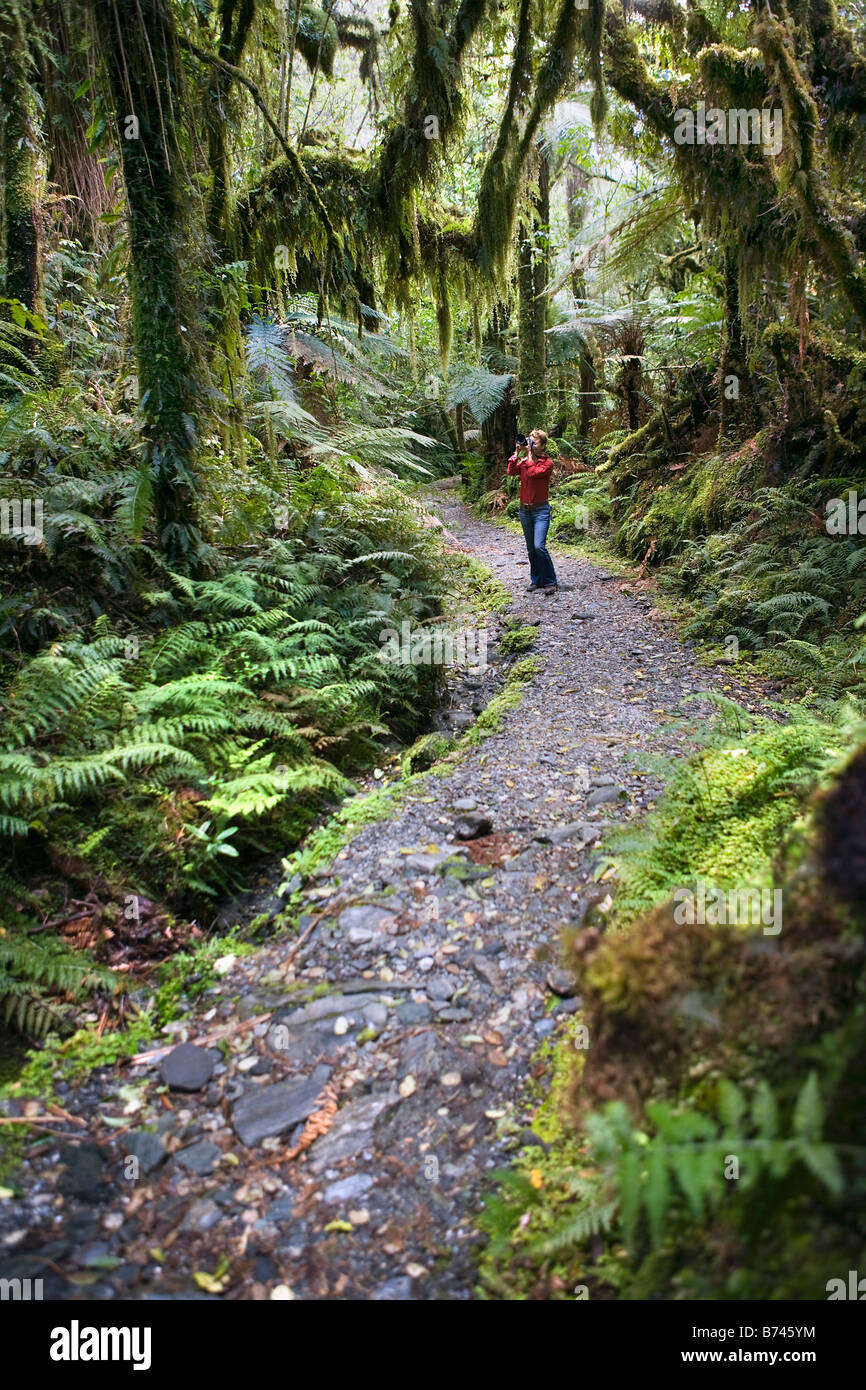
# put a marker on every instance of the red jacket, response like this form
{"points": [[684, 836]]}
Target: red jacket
{"points": [[534, 478]]}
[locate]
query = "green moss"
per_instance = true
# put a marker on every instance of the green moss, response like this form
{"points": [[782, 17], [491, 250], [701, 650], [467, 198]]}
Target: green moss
{"points": [[185, 977], [724, 815], [519, 639], [317, 39], [425, 751], [490, 721], [75, 1058]]}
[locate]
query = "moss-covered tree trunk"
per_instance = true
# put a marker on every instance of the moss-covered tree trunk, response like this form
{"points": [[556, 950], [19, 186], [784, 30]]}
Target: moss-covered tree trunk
{"points": [[589, 398], [222, 116], [576, 205], [733, 367], [22, 162], [459, 427], [499, 430], [532, 277], [144, 69]]}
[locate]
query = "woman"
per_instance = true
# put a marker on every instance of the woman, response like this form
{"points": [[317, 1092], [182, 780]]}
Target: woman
{"points": [[534, 471]]}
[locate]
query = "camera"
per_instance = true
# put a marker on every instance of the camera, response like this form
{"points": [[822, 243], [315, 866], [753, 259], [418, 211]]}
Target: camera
{"points": [[522, 440]]}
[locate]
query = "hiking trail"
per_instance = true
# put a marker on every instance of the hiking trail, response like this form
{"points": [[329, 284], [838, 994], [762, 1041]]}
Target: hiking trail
{"points": [[417, 1001]]}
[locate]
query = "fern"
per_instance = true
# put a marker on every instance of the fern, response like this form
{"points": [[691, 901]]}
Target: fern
{"points": [[31, 972], [689, 1152], [480, 390]]}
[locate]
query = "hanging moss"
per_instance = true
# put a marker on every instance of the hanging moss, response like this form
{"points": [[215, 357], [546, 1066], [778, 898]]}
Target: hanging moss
{"points": [[317, 39], [593, 29], [497, 194], [376, 206], [802, 123], [737, 76], [839, 65], [363, 36], [700, 30], [221, 114]]}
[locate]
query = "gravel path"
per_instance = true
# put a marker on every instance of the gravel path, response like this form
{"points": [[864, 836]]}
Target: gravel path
{"points": [[405, 1024]]}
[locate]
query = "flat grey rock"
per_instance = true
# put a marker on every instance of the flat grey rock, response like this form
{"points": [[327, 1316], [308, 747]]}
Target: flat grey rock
{"points": [[83, 1171], [488, 970], [202, 1157], [147, 1148], [326, 1006], [440, 986], [362, 924], [397, 1290], [425, 863], [351, 1131], [375, 1014], [201, 1216], [575, 830], [271, 1110], [412, 1012], [423, 1057], [603, 794], [348, 1189]]}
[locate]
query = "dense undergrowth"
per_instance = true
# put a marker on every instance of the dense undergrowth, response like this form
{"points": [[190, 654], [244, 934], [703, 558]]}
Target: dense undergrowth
{"points": [[702, 1112], [703, 1125], [167, 727], [703, 1122]]}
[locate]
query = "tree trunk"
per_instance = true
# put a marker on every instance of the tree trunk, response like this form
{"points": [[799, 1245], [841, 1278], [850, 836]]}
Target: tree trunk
{"points": [[141, 54], [222, 116], [458, 425], [589, 399], [733, 366], [499, 432], [630, 383], [532, 277], [22, 164], [576, 210]]}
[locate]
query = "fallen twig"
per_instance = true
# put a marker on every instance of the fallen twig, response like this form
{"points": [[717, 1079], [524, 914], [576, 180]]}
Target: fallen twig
{"points": [[64, 1114], [157, 1053]]}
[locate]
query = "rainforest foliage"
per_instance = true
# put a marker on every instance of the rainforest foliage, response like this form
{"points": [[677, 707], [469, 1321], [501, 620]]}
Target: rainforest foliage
{"points": [[267, 266]]}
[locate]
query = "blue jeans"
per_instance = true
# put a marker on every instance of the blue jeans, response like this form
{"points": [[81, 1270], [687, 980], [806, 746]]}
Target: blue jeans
{"points": [[536, 522]]}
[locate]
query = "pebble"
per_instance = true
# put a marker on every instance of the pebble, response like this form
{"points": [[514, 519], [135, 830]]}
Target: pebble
{"points": [[187, 1068], [147, 1148], [199, 1158], [346, 1190]]}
